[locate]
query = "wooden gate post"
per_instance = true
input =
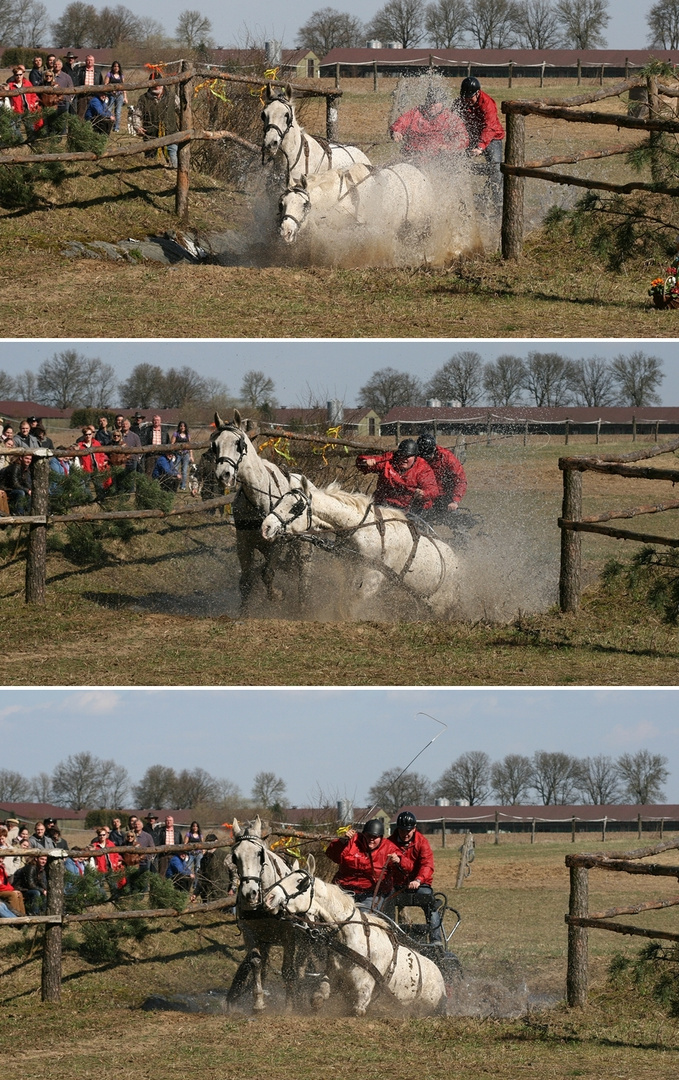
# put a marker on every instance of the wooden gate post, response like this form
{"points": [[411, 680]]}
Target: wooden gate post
{"points": [[51, 955], [577, 977], [36, 559], [443, 832], [513, 188], [497, 827], [331, 124], [655, 138], [181, 202], [571, 542], [466, 857]]}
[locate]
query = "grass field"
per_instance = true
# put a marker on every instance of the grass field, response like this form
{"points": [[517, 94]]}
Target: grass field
{"points": [[512, 942], [168, 601], [558, 285]]}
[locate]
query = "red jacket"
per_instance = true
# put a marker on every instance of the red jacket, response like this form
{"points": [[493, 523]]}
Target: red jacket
{"points": [[360, 868], [395, 488], [87, 461], [449, 474], [104, 863], [23, 102], [417, 861], [481, 120], [5, 883], [431, 134]]}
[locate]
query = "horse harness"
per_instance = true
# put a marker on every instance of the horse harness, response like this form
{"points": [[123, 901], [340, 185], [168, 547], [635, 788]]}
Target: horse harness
{"points": [[274, 503]]}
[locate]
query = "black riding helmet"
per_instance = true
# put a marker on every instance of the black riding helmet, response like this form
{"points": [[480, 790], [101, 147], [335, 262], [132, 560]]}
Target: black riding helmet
{"points": [[406, 448], [426, 444], [374, 827], [469, 87], [406, 821]]}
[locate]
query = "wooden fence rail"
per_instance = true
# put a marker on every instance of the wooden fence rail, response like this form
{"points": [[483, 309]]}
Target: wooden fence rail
{"points": [[516, 169], [572, 521], [579, 919]]}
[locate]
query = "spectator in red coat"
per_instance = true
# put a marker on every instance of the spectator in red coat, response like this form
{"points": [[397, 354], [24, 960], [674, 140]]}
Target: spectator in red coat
{"points": [[405, 480], [94, 463], [104, 863], [23, 103], [431, 129], [365, 860]]}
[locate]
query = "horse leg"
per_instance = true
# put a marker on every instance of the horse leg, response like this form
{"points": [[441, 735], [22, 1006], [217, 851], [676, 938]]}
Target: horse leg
{"points": [[364, 985], [246, 559], [321, 994], [258, 964], [271, 558], [239, 981], [302, 559]]}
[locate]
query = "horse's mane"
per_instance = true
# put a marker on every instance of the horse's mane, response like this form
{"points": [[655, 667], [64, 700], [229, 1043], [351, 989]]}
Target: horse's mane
{"points": [[331, 178], [358, 500]]}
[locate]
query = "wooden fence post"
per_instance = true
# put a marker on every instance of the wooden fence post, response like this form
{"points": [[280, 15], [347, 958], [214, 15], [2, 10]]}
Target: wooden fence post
{"points": [[573, 829], [542, 74], [598, 430], [331, 123], [634, 428], [51, 955], [497, 827], [603, 830], [571, 542], [466, 858], [337, 76], [510, 73], [181, 202], [639, 826], [577, 977], [36, 559], [443, 832], [579, 71], [375, 75], [532, 831], [513, 188], [655, 138], [567, 431]]}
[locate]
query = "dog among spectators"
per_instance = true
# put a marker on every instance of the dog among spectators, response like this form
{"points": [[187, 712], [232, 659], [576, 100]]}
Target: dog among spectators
{"points": [[130, 119]]}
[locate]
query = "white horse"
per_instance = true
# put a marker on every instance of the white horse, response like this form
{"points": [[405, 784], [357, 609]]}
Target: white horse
{"points": [[366, 956], [303, 153], [385, 538], [377, 215], [259, 869], [262, 484]]}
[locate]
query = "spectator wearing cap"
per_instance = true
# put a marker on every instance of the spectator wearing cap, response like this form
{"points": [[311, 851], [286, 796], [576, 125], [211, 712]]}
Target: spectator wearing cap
{"points": [[12, 824], [42, 437], [68, 66]]}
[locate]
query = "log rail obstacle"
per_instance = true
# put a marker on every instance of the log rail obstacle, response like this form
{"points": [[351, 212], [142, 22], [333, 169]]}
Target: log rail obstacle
{"points": [[580, 919], [515, 167], [572, 522]]}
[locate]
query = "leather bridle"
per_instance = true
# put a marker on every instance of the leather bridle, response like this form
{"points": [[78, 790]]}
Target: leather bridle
{"points": [[303, 503], [241, 447]]}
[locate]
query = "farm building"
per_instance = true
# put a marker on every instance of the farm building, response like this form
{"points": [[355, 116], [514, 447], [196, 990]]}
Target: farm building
{"points": [[492, 63], [482, 819], [30, 812], [581, 420], [19, 410], [356, 422]]}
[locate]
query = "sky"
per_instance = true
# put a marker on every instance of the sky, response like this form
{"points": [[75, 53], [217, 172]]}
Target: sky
{"points": [[233, 25], [336, 741], [306, 371]]}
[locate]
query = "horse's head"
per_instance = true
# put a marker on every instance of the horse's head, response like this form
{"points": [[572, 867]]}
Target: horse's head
{"points": [[230, 444], [278, 117], [290, 513], [294, 893], [293, 208], [252, 863]]}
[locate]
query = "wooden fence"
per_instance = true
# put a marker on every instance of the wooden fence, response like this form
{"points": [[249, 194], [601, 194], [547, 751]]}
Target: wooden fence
{"points": [[572, 522], [515, 167], [580, 919], [186, 81], [493, 823]]}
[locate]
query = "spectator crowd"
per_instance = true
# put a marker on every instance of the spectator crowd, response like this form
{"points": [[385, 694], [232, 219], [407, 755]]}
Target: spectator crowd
{"points": [[23, 875]]}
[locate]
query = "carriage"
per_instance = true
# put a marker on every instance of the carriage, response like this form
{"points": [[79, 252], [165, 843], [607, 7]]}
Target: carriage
{"points": [[419, 933]]}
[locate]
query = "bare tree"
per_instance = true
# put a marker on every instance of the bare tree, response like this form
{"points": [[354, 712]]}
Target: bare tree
{"points": [[637, 377], [537, 25], [663, 24], [491, 23], [156, 788], [193, 29], [31, 23], [598, 781], [642, 776], [77, 780], [195, 786], [593, 382], [328, 29], [504, 379], [554, 777], [114, 784], [26, 386], [459, 379], [7, 386], [467, 778], [181, 387], [446, 23], [144, 387], [13, 786], [511, 779], [99, 383], [583, 23], [76, 25], [7, 17], [392, 791], [388, 388], [268, 790], [399, 20], [41, 788], [116, 25], [549, 378], [257, 390], [152, 34]]}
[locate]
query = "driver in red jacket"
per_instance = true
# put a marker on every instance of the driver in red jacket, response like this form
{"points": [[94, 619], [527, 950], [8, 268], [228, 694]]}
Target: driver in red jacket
{"points": [[450, 475], [414, 873], [405, 480], [430, 129], [362, 857], [479, 113]]}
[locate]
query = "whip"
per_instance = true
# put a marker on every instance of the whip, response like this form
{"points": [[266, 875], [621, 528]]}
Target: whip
{"points": [[444, 727]]}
